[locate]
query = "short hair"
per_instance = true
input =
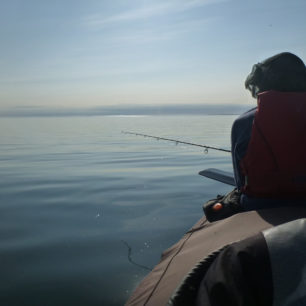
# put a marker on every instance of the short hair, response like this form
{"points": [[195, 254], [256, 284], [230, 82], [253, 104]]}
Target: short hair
{"points": [[281, 72]]}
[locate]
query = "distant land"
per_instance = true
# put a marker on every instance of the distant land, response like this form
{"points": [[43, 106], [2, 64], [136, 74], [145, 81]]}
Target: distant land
{"points": [[205, 109]]}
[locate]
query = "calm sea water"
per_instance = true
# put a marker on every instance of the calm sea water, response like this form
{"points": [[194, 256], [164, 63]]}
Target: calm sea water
{"points": [[85, 209]]}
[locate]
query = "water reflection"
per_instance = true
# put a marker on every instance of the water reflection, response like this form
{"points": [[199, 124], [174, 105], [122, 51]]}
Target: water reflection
{"points": [[71, 196]]}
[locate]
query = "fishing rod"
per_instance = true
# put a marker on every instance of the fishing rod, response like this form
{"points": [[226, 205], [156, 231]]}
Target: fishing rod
{"points": [[178, 141]]}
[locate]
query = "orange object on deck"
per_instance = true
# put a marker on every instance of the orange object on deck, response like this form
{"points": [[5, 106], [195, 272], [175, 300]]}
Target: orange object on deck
{"points": [[217, 206]]}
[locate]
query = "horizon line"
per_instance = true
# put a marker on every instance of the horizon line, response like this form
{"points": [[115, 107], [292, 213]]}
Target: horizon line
{"points": [[128, 110]]}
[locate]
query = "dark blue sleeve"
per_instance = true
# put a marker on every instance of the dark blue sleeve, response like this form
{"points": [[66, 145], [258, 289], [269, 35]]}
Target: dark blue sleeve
{"points": [[240, 275], [241, 134]]}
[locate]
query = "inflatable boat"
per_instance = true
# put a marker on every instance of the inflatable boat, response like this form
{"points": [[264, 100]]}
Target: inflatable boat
{"points": [[249, 258]]}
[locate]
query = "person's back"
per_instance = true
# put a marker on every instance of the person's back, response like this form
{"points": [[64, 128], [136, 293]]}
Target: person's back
{"points": [[271, 138]]}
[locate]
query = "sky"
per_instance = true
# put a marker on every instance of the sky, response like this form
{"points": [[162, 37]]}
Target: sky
{"points": [[90, 53]]}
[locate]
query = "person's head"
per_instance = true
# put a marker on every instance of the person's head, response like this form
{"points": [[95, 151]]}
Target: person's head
{"points": [[281, 72]]}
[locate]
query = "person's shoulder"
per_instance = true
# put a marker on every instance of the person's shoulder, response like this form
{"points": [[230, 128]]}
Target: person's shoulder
{"points": [[245, 118], [248, 114]]}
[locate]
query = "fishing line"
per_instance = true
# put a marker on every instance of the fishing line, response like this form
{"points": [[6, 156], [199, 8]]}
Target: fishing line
{"points": [[130, 257], [178, 141]]}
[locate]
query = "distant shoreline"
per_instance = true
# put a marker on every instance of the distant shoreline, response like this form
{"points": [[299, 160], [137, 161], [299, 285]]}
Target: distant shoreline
{"points": [[164, 110]]}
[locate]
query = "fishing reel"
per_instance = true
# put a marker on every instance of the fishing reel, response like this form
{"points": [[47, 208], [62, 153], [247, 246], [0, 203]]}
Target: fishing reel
{"points": [[223, 206]]}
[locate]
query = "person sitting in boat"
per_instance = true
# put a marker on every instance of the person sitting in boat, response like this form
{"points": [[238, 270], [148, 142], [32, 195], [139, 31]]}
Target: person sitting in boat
{"points": [[269, 141], [257, 256]]}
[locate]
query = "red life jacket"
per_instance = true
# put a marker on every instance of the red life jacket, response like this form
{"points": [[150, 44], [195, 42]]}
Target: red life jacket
{"points": [[275, 162]]}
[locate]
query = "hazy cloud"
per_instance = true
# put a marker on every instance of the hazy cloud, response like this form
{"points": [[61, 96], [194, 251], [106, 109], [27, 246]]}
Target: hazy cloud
{"points": [[162, 32], [153, 10]]}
